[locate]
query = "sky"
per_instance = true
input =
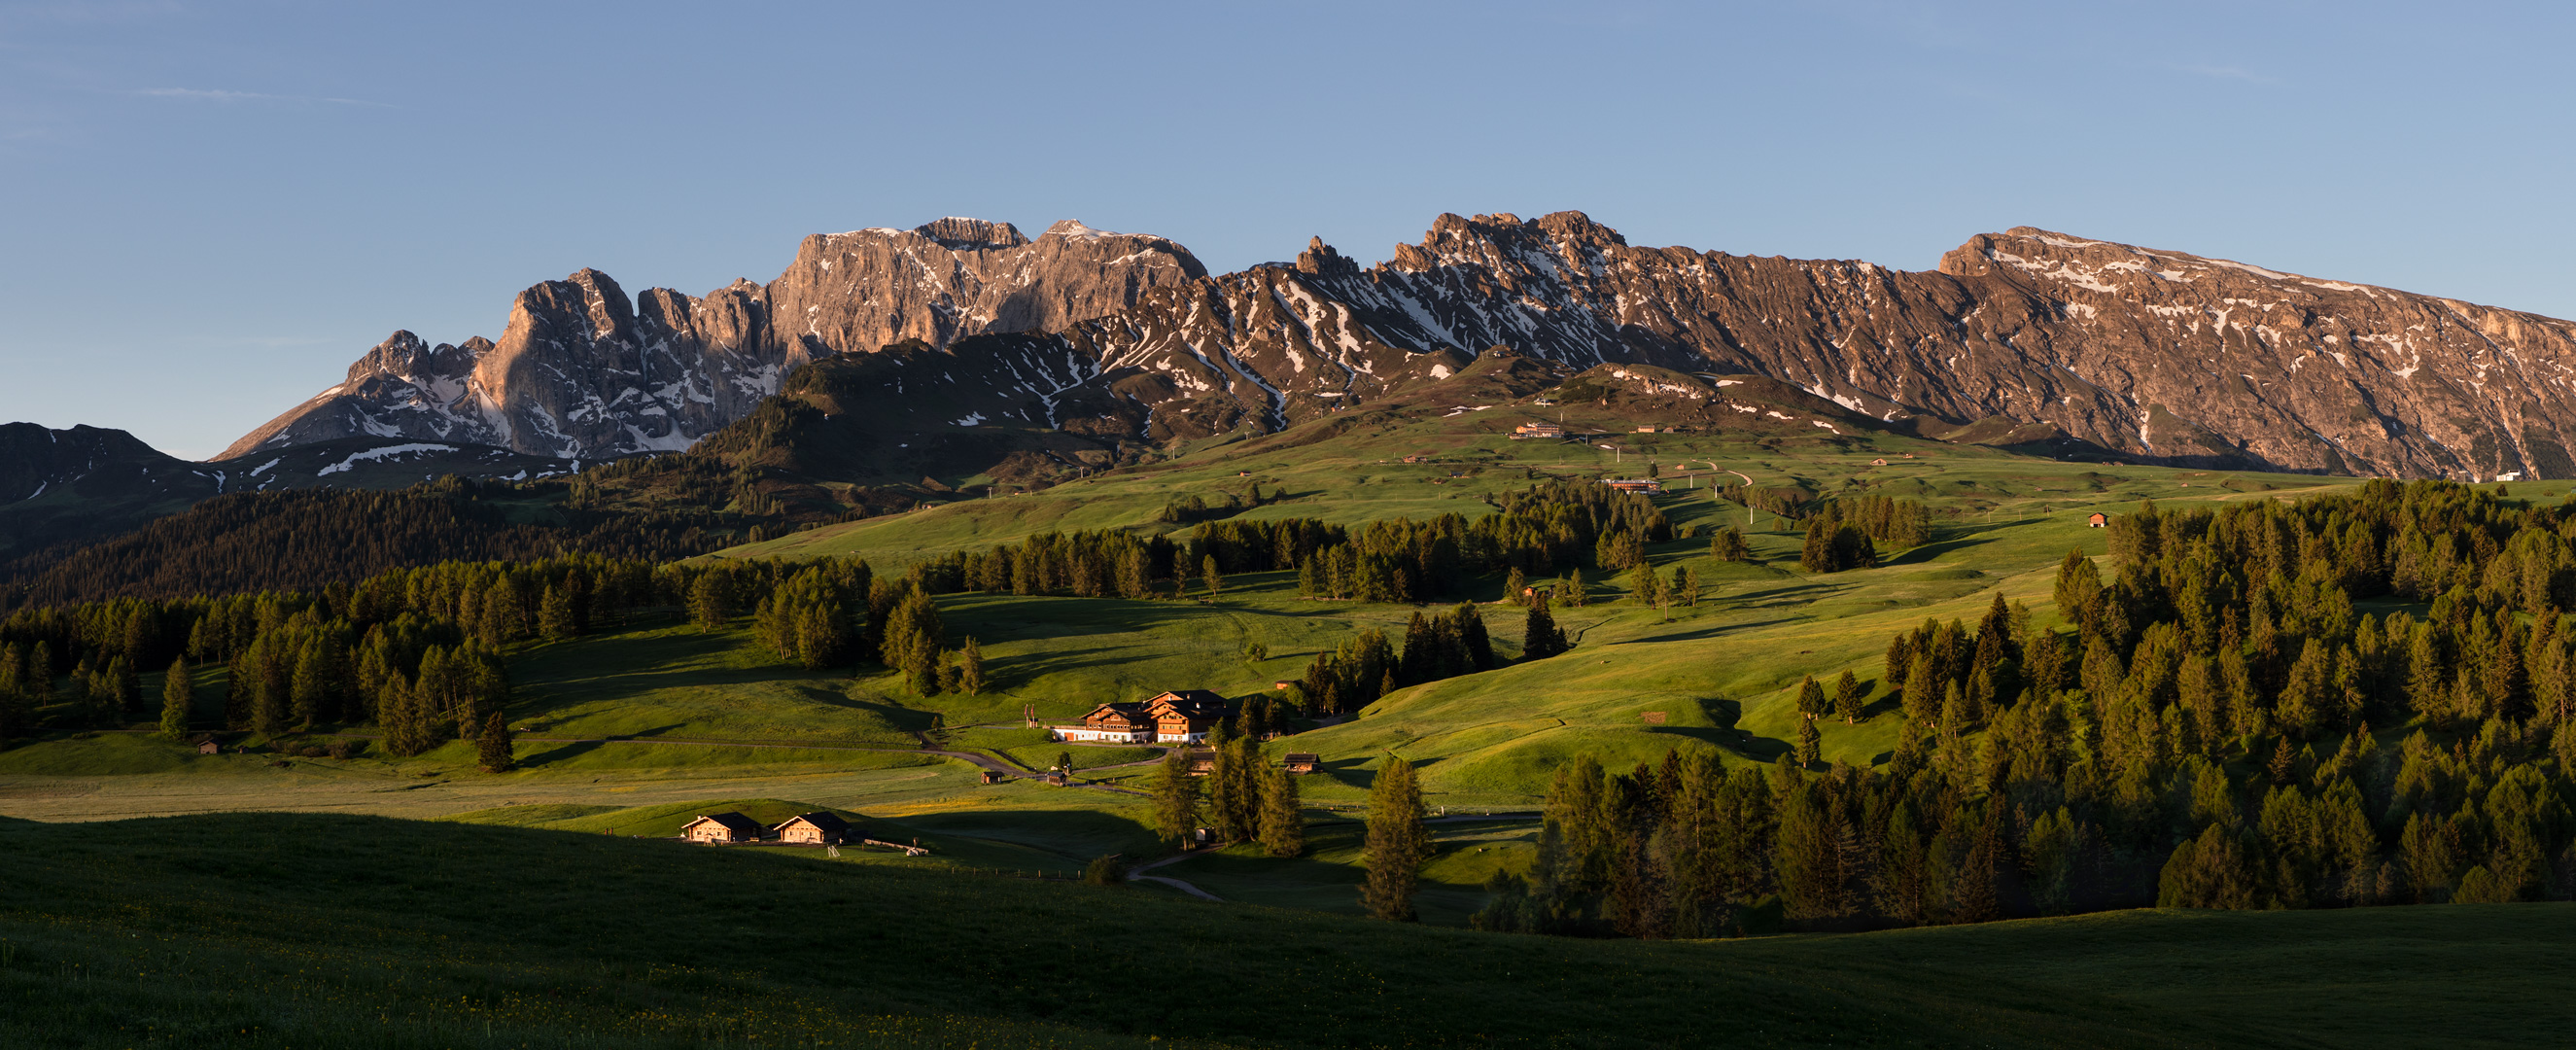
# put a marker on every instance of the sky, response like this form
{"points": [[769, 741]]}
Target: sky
{"points": [[211, 210]]}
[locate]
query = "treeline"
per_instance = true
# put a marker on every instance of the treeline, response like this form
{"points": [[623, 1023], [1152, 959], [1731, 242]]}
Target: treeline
{"points": [[1534, 532], [417, 651], [1845, 533], [303, 539], [2198, 733], [1392, 560], [1355, 674]]}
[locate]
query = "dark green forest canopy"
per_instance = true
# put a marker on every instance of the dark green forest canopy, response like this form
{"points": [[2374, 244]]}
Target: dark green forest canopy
{"points": [[306, 538], [2225, 723]]}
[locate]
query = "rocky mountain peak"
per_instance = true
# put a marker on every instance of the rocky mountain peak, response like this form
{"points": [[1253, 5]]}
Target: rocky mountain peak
{"points": [[583, 371], [970, 234], [1320, 259]]}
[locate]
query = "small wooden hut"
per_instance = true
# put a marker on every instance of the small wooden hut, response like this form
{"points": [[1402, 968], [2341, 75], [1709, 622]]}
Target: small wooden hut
{"points": [[721, 828], [814, 829], [1303, 762]]}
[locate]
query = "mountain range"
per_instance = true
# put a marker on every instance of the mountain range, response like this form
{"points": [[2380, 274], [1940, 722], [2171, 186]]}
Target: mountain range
{"points": [[962, 353], [2149, 355]]}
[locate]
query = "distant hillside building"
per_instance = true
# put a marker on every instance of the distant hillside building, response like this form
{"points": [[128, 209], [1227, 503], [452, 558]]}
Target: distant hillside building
{"points": [[1179, 717], [1646, 485], [722, 828], [2098, 520], [1526, 431]]}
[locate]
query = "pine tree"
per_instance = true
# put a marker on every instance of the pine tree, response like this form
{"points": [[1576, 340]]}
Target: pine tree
{"points": [[492, 746], [1540, 637], [557, 618], [1283, 819], [1848, 695], [1207, 572], [970, 669], [178, 697], [1574, 595], [1811, 698], [1809, 747], [312, 677], [1176, 798], [1514, 583], [710, 604], [1398, 842]]}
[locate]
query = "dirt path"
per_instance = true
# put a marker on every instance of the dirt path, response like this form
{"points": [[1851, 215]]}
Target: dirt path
{"points": [[1137, 874]]}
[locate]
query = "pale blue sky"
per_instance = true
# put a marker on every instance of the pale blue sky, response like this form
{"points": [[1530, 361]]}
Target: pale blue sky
{"points": [[213, 208]]}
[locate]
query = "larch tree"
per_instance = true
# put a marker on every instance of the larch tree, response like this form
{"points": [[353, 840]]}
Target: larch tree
{"points": [[557, 618], [492, 746], [1398, 842], [710, 602], [970, 669], [178, 698], [1283, 817], [1540, 637], [1176, 798], [1848, 695]]}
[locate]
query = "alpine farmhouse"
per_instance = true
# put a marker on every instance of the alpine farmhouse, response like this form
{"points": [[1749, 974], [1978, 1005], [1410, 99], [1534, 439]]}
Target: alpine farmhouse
{"points": [[1182, 717]]}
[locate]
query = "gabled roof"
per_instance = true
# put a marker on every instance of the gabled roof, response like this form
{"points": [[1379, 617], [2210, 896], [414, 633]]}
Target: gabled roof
{"points": [[1195, 703], [1133, 709], [830, 822], [735, 822]]}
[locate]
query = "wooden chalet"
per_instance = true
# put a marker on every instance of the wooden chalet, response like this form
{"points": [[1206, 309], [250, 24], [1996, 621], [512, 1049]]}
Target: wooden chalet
{"points": [[814, 829], [1647, 485], [1303, 762], [208, 745], [722, 828], [995, 776], [1179, 717], [2098, 520], [1527, 431]]}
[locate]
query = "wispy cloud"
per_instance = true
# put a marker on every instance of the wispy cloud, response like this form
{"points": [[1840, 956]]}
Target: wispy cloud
{"points": [[217, 95]]}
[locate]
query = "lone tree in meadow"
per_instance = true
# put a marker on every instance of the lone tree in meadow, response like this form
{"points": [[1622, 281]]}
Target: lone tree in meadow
{"points": [[492, 746], [1176, 798], [178, 696], [1398, 842]]}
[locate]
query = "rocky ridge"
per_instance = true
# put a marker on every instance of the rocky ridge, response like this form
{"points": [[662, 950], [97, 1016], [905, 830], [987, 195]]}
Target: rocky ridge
{"points": [[2142, 354], [582, 371]]}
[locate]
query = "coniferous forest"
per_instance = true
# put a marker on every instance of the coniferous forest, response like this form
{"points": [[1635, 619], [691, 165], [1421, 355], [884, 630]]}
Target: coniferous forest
{"points": [[2242, 715]]}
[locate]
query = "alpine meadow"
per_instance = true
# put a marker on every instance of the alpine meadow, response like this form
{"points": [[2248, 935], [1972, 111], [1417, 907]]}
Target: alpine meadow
{"points": [[1000, 636]]}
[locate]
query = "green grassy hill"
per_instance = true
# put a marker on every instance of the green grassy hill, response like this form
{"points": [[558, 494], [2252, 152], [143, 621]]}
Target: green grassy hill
{"points": [[310, 930]]}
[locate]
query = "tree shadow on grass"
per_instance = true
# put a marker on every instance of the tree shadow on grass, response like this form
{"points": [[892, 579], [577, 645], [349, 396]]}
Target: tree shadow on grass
{"points": [[1074, 834], [1965, 536]]}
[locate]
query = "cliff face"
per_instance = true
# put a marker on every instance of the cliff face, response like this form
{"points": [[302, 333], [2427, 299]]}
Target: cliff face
{"points": [[581, 371], [2151, 355]]}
